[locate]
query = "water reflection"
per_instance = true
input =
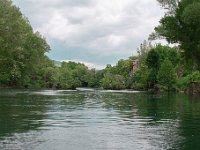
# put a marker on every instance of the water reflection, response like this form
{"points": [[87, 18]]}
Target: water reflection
{"points": [[20, 112], [97, 120]]}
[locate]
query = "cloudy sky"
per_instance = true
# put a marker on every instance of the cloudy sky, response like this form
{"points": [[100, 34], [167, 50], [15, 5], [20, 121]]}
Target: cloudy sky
{"points": [[97, 32]]}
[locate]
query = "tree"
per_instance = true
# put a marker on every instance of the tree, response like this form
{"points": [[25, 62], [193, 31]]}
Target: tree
{"points": [[124, 67], [93, 78], [49, 73], [170, 5], [182, 26], [143, 51], [65, 78], [139, 80], [113, 81], [21, 50], [71, 75], [153, 63], [156, 57], [167, 74], [153, 59]]}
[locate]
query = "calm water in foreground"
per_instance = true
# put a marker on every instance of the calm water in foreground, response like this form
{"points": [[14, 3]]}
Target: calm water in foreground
{"points": [[97, 120]]}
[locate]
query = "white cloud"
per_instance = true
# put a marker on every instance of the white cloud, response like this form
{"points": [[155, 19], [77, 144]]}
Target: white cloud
{"points": [[100, 28], [90, 65]]}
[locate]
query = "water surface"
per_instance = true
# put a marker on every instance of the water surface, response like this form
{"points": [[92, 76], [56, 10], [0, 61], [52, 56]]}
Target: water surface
{"points": [[97, 120]]}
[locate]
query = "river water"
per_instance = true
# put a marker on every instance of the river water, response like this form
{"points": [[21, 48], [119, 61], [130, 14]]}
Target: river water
{"points": [[97, 120]]}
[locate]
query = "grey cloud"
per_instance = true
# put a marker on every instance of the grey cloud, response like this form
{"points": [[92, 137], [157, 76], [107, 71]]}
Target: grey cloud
{"points": [[107, 29]]}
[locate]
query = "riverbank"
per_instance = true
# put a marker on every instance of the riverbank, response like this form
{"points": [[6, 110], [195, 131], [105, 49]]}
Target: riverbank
{"points": [[193, 90]]}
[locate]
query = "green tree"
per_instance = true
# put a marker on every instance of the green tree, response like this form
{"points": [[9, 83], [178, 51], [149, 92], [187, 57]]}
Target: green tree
{"points": [[93, 78], [79, 72], [113, 81], [155, 57], [124, 67], [65, 78], [139, 80], [167, 74], [153, 63], [71, 75], [181, 25], [49, 73], [21, 50], [106, 82]]}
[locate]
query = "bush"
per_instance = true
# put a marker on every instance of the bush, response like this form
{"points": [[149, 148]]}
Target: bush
{"points": [[113, 82], [184, 82], [167, 74]]}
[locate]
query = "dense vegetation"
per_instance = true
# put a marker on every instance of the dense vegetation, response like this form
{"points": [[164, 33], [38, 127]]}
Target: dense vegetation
{"points": [[22, 51], [23, 62]]}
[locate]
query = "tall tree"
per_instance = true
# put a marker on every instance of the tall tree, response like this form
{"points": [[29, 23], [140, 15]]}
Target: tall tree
{"points": [[182, 26], [21, 50], [156, 57], [167, 74]]}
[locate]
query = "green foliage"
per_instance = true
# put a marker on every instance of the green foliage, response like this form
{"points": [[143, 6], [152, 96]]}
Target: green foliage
{"points": [[139, 80], [182, 26], [71, 75], [23, 62], [22, 56], [158, 54], [156, 57], [153, 59], [195, 76], [21, 50], [118, 76], [113, 81], [167, 74], [184, 82], [123, 67], [93, 78]]}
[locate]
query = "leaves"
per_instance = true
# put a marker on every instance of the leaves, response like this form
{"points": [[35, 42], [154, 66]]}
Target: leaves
{"points": [[182, 27], [21, 50], [167, 74]]}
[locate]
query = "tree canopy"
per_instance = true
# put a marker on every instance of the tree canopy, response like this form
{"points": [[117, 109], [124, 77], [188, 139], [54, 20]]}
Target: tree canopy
{"points": [[23, 62], [21, 49], [181, 26]]}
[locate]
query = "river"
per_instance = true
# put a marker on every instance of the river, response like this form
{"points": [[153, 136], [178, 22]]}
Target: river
{"points": [[97, 120]]}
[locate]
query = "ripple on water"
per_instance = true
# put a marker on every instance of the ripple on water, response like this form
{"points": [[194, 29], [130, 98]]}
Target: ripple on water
{"points": [[96, 119]]}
